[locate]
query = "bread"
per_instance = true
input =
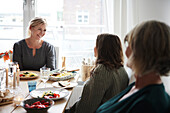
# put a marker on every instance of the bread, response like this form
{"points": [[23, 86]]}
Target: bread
{"points": [[64, 83], [6, 96]]}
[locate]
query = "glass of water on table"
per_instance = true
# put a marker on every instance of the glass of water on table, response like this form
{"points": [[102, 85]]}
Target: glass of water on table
{"points": [[45, 74]]}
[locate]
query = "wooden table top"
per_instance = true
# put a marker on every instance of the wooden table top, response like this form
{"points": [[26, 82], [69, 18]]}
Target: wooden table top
{"points": [[58, 107]]}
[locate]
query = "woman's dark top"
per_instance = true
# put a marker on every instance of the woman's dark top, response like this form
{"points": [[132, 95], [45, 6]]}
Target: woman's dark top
{"points": [[150, 99], [45, 56]]}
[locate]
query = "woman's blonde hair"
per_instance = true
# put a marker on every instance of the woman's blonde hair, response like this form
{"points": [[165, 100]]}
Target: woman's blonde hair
{"points": [[34, 22], [150, 45]]}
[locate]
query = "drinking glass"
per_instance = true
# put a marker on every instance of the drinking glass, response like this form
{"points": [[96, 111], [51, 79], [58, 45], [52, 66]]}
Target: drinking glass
{"points": [[44, 74], [12, 68], [1, 77], [32, 85], [18, 96]]}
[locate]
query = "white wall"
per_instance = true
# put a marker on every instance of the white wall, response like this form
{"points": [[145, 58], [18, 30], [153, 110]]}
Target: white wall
{"points": [[142, 10]]}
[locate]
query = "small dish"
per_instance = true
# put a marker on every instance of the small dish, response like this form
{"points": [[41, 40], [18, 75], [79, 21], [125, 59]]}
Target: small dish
{"points": [[71, 85], [36, 110]]}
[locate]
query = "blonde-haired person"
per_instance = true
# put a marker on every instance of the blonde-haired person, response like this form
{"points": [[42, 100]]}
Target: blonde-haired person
{"points": [[148, 55], [108, 77], [33, 53]]}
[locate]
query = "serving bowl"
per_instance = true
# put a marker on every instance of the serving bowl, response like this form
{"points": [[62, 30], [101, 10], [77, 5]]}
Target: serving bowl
{"points": [[68, 75], [30, 102]]}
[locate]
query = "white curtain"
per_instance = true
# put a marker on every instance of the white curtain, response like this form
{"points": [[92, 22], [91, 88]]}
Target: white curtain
{"points": [[116, 17], [123, 15], [117, 14]]}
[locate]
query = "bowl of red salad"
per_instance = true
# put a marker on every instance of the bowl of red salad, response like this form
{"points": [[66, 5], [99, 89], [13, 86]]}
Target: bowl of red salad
{"points": [[38, 105]]}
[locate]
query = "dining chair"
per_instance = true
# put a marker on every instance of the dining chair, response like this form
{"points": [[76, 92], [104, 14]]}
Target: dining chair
{"points": [[57, 57]]}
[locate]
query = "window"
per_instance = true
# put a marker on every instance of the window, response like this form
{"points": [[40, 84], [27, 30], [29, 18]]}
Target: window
{"points": [[11, 23], [11, 19], [73, 25], [82, 17], [59, 16]]}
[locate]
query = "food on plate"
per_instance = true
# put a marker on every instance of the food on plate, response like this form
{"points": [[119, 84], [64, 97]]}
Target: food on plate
{"points": [[38, 104], [6, 96], [56, 74], [50, 94], [61, 74], [28, 74], [64, 83]]}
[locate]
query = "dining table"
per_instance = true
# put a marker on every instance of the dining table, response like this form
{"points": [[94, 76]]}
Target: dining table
{"points": [[58, 107]]}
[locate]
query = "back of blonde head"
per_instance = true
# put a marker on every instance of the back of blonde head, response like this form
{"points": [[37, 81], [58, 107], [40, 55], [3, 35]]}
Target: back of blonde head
{"points": [[150, 45]]}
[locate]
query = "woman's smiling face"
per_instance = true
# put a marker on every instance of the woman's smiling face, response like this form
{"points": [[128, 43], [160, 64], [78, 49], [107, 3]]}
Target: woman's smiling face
{"points": [[38, 31]]}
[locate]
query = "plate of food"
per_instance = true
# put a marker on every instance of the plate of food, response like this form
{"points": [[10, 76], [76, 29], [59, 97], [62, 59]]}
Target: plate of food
{"points": [[50, 92], [65, 84], [62, 75], [6, 97], [28, 74]]}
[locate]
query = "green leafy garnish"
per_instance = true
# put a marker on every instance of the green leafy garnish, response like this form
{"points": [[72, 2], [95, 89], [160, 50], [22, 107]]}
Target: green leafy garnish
{"points": [[26, 73], [32, 75]]}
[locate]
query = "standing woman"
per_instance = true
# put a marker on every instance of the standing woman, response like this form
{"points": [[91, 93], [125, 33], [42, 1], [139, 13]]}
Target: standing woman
{"points": [[33, 53], [108, 77], [148, 55]]}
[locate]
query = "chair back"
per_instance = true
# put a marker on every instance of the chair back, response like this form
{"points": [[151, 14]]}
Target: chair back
{"points": [[57, 57]]}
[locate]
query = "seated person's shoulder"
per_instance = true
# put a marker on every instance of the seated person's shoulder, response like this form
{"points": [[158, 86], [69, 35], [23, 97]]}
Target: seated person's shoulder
{"points": [[99, 68], [47, 44], [156, 96], [20, 42]]}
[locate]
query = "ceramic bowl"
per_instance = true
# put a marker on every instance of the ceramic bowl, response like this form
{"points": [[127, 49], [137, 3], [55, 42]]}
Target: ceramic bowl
{"points": [[36, 110]]}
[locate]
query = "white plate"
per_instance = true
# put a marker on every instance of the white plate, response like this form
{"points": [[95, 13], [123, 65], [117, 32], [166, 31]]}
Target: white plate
{"points": [[53, 78], [25, 78], [72, 84], [39, 92]]}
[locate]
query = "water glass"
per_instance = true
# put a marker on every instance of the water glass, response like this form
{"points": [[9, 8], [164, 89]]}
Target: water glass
{"points": [[44, 74], [12, 68], [32, 85], [1, 77], [18, 99]]}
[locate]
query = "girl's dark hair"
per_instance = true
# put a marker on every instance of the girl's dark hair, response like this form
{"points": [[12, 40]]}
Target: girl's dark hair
{"points": [[109, 51]]}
